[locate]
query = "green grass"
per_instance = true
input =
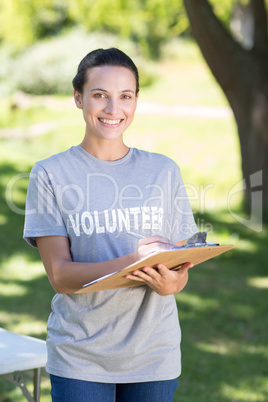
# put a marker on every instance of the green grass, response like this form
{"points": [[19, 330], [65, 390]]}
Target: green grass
{"points": [[185, 79], [223, 309]]}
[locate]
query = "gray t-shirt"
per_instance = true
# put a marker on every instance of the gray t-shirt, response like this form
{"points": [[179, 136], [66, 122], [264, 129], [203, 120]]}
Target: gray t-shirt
{"points": [[121, 335]]}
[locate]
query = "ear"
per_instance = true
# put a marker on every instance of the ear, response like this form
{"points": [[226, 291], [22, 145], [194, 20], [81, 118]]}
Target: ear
{"points": [[137, 97], [78, 99]]}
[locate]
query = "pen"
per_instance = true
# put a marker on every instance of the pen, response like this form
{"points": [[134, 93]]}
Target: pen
{"points": [[137, 235]]}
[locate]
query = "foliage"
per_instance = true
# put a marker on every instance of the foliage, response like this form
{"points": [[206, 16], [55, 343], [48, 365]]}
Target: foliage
{"points": [[22, 22], [147, 22], [49, 66]]}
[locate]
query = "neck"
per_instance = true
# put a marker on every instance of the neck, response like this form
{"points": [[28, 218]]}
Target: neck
{"points": [[106, 150]]}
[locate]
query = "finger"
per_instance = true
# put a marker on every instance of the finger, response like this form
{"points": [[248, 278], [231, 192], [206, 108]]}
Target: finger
{"points": [[150, 248], [141, 274], [152, 272], [153, 247], [154, 239], [147, 274], [162, 269], [134, 278], [187, 265]]}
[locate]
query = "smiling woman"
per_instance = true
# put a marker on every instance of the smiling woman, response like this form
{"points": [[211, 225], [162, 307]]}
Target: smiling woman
{"points": [[121, 344], [108, 102]]}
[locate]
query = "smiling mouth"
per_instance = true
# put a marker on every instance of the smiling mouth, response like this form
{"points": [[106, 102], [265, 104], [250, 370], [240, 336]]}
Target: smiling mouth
{"points": [[110, 122]]}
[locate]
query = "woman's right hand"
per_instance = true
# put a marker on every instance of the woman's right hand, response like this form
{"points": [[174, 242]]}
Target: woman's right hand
{"points": [[150, 245]]}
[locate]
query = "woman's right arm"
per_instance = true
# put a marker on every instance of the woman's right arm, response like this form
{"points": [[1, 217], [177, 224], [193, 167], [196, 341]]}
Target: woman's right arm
{"points": [[66, 276]]}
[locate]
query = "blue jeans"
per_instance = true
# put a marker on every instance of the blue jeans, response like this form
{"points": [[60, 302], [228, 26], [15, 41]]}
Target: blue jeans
{"points": [[69, 390]]}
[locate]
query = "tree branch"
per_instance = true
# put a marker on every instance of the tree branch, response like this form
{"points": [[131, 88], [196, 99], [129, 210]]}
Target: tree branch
{"points": [[222, 53], [260, 25]]}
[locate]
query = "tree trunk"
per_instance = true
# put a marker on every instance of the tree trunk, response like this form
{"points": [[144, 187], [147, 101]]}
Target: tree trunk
{"points": [[243, 76]]}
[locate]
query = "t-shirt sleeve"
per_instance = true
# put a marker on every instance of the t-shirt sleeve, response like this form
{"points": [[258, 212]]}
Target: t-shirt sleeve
{"points": [[182, 224], [42, 213]]}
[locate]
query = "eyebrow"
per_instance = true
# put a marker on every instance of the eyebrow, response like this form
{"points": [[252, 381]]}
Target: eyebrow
{"points": [[98, 89], [104, 90]]}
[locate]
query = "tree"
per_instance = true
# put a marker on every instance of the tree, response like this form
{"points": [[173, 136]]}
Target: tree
{"points": [[243, 76]]}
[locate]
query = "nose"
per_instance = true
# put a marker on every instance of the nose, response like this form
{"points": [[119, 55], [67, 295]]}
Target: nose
{"points": [[111, 106]]}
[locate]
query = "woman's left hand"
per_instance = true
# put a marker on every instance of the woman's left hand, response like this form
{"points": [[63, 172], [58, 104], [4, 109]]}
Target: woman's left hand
{"points": [[163, 280]]}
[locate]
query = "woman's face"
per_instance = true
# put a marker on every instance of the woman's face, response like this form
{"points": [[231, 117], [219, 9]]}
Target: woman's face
{"points": [[108, 101]]}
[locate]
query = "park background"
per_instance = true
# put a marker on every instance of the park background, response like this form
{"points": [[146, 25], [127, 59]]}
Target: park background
{"points": [[182, 113]]}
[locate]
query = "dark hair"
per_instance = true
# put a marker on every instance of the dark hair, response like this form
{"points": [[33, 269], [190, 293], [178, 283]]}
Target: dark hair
{"points": [[103, 57]]}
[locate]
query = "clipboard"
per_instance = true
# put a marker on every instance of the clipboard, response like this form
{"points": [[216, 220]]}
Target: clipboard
{"points": [[172, 259]]}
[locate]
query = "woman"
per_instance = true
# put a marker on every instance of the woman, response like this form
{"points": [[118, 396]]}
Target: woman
{"points": [[81, 204]]}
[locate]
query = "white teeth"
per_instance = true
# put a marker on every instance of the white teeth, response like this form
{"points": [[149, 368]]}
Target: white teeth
{"points": [[112, 122]]}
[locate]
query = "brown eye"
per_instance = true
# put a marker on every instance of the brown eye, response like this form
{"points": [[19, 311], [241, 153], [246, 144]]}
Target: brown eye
{"points": [[98, 95]]}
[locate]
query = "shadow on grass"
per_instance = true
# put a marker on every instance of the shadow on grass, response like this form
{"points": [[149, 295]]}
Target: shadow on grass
{"points": [[11, 223], [223, 314], [34, 303]]}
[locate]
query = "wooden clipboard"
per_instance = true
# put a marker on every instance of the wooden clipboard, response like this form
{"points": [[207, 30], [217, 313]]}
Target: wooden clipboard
{"points": [[173, 259]]}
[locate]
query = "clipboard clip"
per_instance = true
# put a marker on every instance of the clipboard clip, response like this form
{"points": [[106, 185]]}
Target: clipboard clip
{"points": [[197, 240]]}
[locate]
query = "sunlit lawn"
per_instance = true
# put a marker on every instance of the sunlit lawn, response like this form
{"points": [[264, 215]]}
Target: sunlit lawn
{"points": [[223, 310]]}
